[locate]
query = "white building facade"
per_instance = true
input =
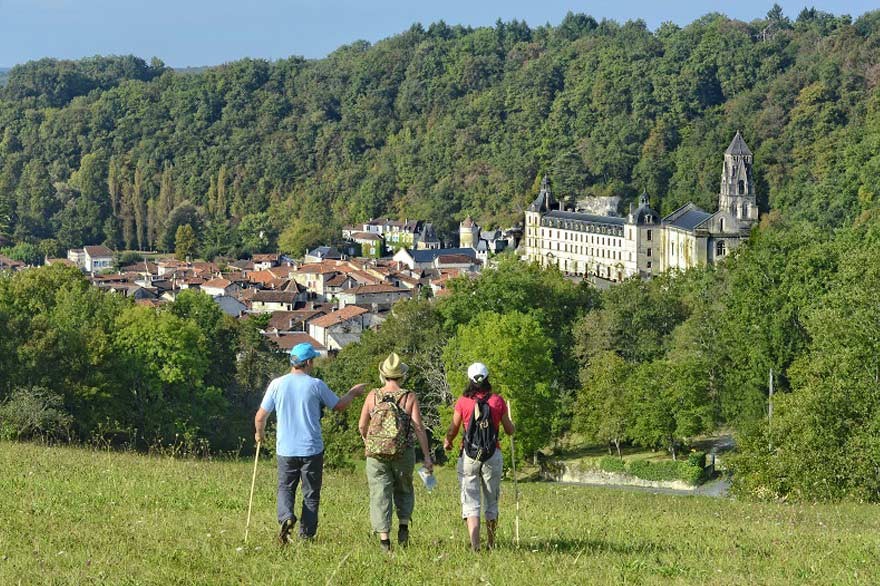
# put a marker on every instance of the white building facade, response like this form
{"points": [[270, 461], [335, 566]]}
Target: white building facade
{"points": [[642, 243]]}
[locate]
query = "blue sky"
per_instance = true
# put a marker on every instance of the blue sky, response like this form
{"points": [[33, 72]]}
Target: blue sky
{"points": [[209, 32]]}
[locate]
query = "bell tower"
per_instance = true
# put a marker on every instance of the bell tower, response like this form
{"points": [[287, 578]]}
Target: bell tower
{"points": [[737, 194]]}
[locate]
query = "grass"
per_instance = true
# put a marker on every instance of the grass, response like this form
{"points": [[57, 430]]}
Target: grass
{"points": [[77, 516]]}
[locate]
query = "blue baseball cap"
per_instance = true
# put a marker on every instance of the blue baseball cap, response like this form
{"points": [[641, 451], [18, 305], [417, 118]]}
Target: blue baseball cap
{"points": [[301, 353]]}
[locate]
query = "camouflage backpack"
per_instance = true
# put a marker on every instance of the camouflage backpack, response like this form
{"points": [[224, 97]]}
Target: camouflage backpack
{"points": [[388, 433]]}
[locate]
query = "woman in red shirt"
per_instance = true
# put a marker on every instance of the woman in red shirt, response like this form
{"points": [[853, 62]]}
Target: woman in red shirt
{"points": [[479, 475]]}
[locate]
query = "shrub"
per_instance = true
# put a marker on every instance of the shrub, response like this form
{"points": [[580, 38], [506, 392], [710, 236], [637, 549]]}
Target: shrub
{"points": [[697, 459], [34, 412], [665, 471], [612, 464]]}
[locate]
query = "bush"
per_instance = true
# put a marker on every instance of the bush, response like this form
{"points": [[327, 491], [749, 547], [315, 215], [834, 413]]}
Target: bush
{"points": [[697, 459], [612, 464], [666, 471], [34, 412]]}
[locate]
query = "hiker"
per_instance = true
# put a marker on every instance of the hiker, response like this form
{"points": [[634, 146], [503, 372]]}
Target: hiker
{"points": [[480, 463], [298, 399], [389, 419]]}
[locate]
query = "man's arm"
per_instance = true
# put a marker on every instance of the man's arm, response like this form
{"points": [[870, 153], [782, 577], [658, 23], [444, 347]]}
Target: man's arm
{"points": [[419, 426], [509, 427], [260, 424], [364, 421], [452, 431], [346, 399]]}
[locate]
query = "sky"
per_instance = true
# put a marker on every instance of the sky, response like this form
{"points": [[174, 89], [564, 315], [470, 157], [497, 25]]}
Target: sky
{"points": [[186, 33]]}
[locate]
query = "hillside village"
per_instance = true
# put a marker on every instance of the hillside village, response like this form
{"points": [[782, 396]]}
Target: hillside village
{"points": [[328, 298]]}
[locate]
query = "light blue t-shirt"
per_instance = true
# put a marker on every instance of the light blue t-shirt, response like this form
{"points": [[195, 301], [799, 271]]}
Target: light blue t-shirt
{"points": [[298, 400]]}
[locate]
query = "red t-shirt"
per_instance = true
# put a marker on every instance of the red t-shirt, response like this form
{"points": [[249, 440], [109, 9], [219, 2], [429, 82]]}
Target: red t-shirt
{"points": [[497, 408]]}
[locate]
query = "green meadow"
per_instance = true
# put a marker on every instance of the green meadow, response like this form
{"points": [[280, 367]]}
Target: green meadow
{"points": [[80, 516]]}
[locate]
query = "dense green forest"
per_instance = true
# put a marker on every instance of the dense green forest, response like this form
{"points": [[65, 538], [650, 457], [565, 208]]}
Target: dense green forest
{"points": [[436, 123]]}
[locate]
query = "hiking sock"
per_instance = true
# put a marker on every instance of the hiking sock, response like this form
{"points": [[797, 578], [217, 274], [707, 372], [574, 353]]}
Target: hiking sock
{"points": [[385, 544]]}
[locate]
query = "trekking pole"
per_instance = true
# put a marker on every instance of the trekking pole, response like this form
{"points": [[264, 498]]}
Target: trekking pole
{"points": [[251, 499], [515, 489]]}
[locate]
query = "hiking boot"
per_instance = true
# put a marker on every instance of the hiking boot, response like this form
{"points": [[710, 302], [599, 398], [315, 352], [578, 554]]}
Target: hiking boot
{"points": [[385, 544], [286, 528], [403, 535]]}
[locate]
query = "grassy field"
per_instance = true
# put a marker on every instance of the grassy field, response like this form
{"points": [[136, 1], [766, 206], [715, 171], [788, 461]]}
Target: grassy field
{"points": [[75, 516]]}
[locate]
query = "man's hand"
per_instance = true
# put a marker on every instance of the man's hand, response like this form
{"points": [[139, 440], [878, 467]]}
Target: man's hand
{"points": [[358, 389], [429, 465], [447, 444], [260, 436]]}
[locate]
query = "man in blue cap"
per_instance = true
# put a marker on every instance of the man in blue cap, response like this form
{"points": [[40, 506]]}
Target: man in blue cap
{"points": [[298, 399]]}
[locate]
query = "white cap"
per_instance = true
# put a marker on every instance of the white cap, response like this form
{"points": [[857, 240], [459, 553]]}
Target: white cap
{"points": [[477, 372]]}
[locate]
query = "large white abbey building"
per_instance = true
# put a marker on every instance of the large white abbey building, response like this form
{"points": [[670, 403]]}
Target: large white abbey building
{"points": [[643, 243]]}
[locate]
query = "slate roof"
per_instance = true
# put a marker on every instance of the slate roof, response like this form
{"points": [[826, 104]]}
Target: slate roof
{"points": [[428, 256], [230, 305], [689, 219], [738, 146], [544, 201], [328, 252], [589, 218]]}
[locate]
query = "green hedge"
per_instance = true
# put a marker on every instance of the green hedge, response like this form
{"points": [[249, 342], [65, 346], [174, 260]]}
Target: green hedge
{"points": [[666, 471], [690, 471], [612, 464]]}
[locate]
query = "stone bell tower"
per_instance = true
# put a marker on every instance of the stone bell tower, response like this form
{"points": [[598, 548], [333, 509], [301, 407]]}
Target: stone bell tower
{"points": [[737, 194]]}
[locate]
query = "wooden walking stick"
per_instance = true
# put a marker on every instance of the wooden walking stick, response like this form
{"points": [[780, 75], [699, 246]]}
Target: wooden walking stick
{"points": [[515, 485], [251, 500]]}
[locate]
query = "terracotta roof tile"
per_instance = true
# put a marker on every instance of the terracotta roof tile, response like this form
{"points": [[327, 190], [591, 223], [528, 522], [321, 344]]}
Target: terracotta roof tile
{"points": [[337, 317]]}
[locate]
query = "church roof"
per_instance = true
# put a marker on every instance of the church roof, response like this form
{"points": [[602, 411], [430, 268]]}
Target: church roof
{"points": [[687, 217], [738, 146]]}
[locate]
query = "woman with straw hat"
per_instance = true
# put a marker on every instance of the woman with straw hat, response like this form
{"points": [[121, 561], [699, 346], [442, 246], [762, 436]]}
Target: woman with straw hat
{"points": [[389, 419]]}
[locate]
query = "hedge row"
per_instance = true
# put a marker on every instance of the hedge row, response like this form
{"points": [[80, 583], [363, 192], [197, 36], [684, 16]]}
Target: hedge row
{"points": [[691, 471]]}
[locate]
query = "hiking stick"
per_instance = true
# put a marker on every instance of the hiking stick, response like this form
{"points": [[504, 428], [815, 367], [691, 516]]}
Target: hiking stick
{"points": [[515, 485], [247, 526]]}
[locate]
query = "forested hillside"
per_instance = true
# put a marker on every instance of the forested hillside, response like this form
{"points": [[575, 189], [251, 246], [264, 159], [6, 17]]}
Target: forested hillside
{"points": [[436, 123]]}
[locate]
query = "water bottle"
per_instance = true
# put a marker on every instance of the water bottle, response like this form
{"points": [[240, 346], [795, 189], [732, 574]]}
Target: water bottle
{"points": [[427, 478]]}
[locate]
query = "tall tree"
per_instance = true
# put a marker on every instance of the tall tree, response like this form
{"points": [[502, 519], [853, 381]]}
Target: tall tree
{"points": [[185, 242]]}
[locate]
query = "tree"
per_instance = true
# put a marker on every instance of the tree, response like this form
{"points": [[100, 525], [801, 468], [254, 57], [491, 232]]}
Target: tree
{"points": [[164, 364], [185, 243], [518, 352], [604, 410]]}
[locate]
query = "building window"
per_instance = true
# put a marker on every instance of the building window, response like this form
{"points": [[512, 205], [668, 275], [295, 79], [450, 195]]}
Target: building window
{"points": [[719, 248], [648, 236], [741, 187], [648, 265], [721, 222], [649, 253]]}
